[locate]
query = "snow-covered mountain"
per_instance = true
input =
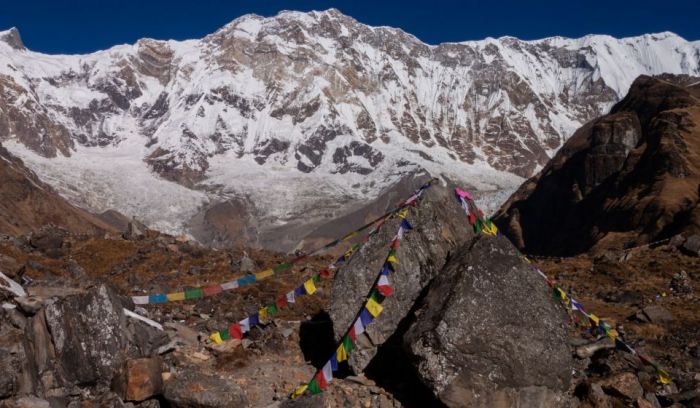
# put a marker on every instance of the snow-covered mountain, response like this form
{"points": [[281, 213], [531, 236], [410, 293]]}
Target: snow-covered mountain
{"points": [[301, 116]]}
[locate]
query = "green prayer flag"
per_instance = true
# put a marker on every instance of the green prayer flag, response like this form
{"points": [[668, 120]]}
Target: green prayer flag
{"points": [[314, 388], [225, 334], [272, 309], [378, 297], [194, 293], [281, 267], [348, 345], [316, 278]]}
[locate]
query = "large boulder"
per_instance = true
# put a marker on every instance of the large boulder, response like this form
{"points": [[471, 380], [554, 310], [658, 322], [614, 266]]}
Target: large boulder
{"points": [[89, 336], [489, 334], [440, 226]]}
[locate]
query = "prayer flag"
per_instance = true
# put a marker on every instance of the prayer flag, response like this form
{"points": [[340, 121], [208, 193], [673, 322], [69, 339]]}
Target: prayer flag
{"points": [[159, 298], [664, 377], [245, 325], [194, 293], [254, 319], [316, 278], [281, 267], [314, 387], [403, 213], [212, 290], [334, 362], [264, 274], [290, 297], [310, 287], [225, 336], [359, 327], [140, 300], [216, 338], [175, 296], [229, 285], [281, 302], [262, 314], [365, 317], [384, 287], [327, 371], [374, 308], [321, 380], [234, 330], [405, 225], [340, 353], [324, 273], [348, 344], [300, 291], [272, 309], [299, 391]]}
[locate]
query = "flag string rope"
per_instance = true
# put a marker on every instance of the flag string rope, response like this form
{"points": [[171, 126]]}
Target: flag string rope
{"points": [[200, 292], [597, 325], [239, 329], [371, 309]]}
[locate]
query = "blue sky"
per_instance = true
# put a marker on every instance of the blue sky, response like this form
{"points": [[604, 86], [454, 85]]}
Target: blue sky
{"points": [[84, 26]]}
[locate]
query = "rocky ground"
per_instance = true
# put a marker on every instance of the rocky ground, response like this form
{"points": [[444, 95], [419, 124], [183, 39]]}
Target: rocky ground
{"points": [[651, 294], [179, 367]]}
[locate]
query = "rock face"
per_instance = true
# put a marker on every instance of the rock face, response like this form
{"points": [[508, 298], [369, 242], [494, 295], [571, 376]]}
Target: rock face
{"points": [[487, 333], [628, 178], [77, 343], [88, 345], [440, 226], [333, 106]]}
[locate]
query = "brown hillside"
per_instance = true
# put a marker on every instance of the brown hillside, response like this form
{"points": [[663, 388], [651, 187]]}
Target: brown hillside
{"points": [[628, 178], [27, 204]]}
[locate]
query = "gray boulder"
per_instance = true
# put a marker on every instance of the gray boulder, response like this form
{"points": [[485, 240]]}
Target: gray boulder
{"points": [[440, 226], [88, 334], [489, 334], [692, 245]]}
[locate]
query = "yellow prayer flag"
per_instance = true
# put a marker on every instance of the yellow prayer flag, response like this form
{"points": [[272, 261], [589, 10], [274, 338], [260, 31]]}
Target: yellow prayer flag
{"points": [[403, 213], [664, 377], [175, 296], [299, 391], [216, 338], [310, 287], [595, 319], [392, 259], [612, 333], [262, 314], [264, 274], [373, 307], [340, 354]]}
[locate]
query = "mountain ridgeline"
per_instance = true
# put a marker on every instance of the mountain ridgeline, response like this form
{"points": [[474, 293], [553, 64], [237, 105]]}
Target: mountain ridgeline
{"points": [[314, 107]]}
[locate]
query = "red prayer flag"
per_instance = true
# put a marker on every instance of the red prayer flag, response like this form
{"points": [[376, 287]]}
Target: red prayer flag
{"points": [[324, 273], [321, 380], [281, 301], [351, 333], [212, 290], [234, 330], [385, 290]]}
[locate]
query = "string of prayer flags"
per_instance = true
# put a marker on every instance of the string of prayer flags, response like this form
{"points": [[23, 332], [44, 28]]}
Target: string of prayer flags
{"points": [[596, 324], [477, 220], [282, 301], [371, 309], [600, 326], [306, 288], [198, 293]]}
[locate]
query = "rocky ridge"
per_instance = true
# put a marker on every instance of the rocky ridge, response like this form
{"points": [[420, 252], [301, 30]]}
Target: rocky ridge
{"points": [[628, 178]]}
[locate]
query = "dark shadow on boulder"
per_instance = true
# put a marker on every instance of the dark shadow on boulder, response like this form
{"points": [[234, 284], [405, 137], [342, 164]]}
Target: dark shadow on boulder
{"points": [[316, 339], [392, 370]]}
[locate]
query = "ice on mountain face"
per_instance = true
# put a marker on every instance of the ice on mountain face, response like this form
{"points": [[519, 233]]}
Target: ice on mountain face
{"points": [[315, 108]]}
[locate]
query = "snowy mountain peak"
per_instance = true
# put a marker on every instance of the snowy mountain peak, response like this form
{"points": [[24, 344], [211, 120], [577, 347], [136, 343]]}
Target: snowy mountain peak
{"points": [[308, 106], [12, 38]]}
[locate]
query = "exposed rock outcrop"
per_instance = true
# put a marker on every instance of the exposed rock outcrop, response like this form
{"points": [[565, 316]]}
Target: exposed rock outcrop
{"points": [[487, 333], [440, 227], [628, 178]]}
